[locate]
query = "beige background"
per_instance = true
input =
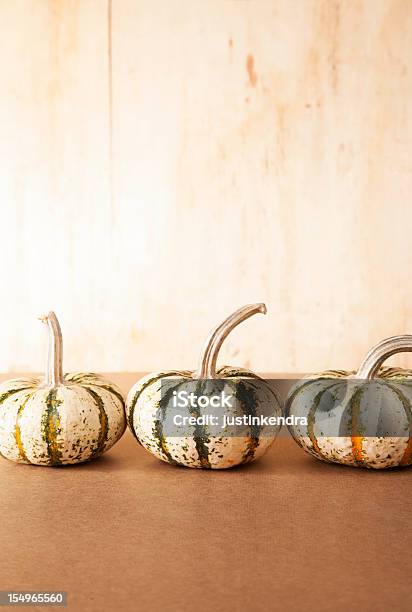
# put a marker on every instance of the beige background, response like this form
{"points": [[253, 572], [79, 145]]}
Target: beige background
{"points": [[164, 162]]}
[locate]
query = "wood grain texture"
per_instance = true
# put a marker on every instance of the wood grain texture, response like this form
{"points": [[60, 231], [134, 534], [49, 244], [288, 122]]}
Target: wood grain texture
{"points": [[163, 163]]}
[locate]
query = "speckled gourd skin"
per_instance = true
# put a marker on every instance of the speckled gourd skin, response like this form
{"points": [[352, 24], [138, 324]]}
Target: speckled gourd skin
{"points": [[366, 452], [142, 405], [64, 424]]}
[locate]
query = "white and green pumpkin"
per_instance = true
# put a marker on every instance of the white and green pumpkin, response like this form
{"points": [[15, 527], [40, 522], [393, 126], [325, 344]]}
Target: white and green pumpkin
{"points": [[59, 420], [202, 450], [368, 401]]}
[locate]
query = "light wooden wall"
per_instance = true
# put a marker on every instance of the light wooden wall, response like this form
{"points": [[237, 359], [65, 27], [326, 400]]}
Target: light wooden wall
{"points": [[163, 162]]}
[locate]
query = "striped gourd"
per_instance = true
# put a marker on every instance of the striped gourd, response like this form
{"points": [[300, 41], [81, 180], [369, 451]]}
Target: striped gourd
{"points": [[378, 396], [201, 450], [58, 419]]}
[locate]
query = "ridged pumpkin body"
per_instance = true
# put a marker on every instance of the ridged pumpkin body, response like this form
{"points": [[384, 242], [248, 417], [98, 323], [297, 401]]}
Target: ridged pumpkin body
{"points": [[143, 406], [63, 424], [326, 395]]}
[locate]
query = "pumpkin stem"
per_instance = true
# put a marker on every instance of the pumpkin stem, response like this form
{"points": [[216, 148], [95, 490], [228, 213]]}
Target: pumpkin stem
{"points": [[54, 369], [208, 358], [380, 352]]}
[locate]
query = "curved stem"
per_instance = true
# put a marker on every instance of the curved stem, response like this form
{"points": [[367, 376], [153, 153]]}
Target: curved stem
{"points": [[379, 353], [54, 369], [208, 358]]}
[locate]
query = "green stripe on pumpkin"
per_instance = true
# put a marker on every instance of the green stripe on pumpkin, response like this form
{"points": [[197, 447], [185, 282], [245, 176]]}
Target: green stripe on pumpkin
{"points": [[291, 398], [113, 391], [4, 396], [201, 437], [90, 378], [7, 394], [51, 427], [312, 419], [104, 423], [355, 406], [254, 439], [17, 431], [157, 431], [248, 399]]}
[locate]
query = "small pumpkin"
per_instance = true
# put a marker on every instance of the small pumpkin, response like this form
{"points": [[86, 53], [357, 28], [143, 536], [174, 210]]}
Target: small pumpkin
{"points": [[60, 419], [374, 401], [146, 412]]}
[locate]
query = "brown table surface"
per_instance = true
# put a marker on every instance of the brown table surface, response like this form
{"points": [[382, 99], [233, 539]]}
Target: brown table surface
{"points": [[128, 532]]}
